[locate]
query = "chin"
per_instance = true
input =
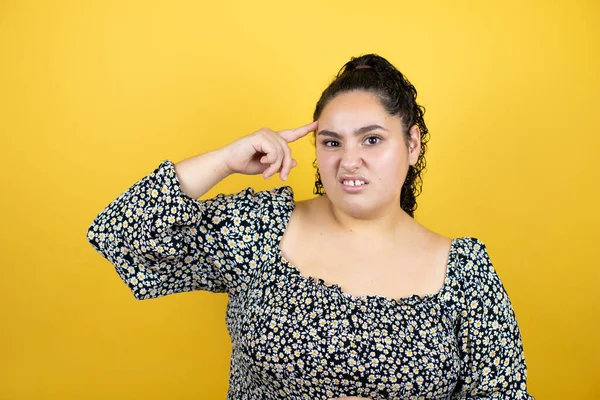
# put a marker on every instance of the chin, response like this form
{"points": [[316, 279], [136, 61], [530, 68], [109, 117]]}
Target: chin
{"points": [[364, 205], [360, 208]]}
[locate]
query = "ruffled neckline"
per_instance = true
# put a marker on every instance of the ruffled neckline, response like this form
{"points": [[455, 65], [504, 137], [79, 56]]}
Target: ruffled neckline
{"points": [[335, 290]]}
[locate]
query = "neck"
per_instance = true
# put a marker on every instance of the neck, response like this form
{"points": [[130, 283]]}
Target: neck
{"points": [[384, 221]]}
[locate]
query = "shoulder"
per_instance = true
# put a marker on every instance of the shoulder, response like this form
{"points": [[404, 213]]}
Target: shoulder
{"points": [[279, 197], [309, 212], [472, 254], [270, 209], [473, 264], [483, 290], [247, 211], [278, 200], [280, 194]]}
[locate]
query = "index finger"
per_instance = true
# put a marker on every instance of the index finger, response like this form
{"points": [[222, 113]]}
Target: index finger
{"points": [[292, 135]]}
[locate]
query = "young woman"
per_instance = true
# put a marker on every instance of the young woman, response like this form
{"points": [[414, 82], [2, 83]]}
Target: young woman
{"points": [[341, 295]]}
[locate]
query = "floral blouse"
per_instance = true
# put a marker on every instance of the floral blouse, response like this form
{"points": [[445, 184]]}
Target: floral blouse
{"points": [[296, 337]]}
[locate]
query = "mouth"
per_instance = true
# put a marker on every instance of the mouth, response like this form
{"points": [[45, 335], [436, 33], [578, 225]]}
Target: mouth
{"points": [[354, 182]]}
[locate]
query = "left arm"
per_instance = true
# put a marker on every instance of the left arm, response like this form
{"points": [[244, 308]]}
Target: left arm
{"points": [[492, 364]]}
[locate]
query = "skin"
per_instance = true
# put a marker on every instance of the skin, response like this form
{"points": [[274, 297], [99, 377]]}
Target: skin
{"points": [[362, 240], [380, 154], [356, 136]]}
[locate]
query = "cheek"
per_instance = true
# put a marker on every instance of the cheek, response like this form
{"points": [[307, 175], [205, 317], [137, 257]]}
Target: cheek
{"points": [[326, 159], [328, 167], [389, 159], [386, 165]]}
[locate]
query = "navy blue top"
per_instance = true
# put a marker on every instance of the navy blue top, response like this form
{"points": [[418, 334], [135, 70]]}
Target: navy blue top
{"points": [[294, 336]]}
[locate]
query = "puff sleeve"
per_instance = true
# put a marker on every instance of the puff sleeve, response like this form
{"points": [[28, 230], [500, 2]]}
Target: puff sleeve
{"points": [[492, 363], [161, 241]]}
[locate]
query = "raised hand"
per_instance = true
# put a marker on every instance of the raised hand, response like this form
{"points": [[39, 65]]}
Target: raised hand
{"points": [[265, 151]]}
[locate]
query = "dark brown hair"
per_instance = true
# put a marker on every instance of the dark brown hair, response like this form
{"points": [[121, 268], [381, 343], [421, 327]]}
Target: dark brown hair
{"points": [[374, 74]]}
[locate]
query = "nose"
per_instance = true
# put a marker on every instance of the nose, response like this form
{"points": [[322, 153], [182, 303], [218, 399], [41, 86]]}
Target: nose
{"points": [[351, 159]]}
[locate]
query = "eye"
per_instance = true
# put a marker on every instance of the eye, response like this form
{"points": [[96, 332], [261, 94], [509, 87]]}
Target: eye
{"points": [[371, 140], [331, 143]]}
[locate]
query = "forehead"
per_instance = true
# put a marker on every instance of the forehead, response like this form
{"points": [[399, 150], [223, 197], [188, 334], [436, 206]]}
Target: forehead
{"points": [[351, 110]]}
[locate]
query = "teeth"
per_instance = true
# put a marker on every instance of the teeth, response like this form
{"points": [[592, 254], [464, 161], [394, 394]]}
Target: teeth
{"points": [[354, 183]]}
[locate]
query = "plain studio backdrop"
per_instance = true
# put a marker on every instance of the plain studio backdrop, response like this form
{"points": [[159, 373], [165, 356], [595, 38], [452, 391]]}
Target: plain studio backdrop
{"points": [[95, 94]]}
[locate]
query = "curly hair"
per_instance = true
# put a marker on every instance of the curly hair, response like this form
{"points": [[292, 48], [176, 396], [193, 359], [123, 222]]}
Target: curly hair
{"points": [[374, 74]]}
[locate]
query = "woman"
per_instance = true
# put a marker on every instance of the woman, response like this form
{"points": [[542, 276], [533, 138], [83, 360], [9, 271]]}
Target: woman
{"points": [[341, 295]]}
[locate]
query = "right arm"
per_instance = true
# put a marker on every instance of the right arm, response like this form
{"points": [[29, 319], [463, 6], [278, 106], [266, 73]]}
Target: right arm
{"points": [[197, 175], [264, 152], [162, 240]]}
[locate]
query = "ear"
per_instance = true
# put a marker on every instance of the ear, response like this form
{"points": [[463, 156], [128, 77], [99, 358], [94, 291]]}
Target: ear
{"points": [[414, 144]]}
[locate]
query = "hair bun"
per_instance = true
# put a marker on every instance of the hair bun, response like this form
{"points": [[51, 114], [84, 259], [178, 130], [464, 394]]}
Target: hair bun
{"points": [[368, 61], [397, 96]]}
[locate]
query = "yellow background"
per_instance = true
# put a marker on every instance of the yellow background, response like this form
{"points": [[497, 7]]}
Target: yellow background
{"points": [[94, 95]]}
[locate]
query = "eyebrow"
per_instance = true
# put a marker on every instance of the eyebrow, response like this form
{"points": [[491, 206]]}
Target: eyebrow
{"points": [[357, 132]]}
